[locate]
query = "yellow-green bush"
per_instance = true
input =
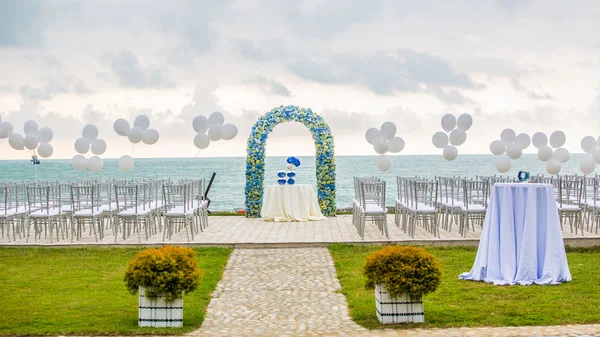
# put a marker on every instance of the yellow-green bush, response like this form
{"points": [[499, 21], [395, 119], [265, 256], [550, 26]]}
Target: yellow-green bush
{"points": [[168, 270], [403, 269]]}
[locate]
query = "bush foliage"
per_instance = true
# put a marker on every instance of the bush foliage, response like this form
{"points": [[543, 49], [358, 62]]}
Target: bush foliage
{"points": [[168, 270], [403, 269]]}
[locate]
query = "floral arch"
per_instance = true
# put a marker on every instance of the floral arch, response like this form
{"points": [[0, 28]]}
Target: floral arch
{"points": [[325, 159]]}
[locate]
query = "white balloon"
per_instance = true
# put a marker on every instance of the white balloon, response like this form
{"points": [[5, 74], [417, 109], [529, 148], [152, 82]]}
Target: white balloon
{"points": [[383, 163], [200, 124], [372, 135], [450, 152], [498, 147], [508, 136], [31, 127], [150, 137], [136, 134], [6, 129], [440, 140], [381, 146], [553, 166], [79, 162], [523, 140], [214, 132], [457, 137], [514, 151], [562, 155], [587, 165], [98, 147], [121, 127], [464, 122], [45, 135], [396, 145], [557, 139], [545, 153], [95, 164], [31, 142], [589, 144], [45, 150], [229, 131], [388, 130], [82, 145], [596, 155], [90, 131], [503, 165], [216, 118], [201, 141], [16, 141], [539, 140], [126, 163], [448, 122], [142, 121]]}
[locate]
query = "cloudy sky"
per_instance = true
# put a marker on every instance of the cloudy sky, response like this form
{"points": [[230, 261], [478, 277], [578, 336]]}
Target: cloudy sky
{"points": [[529, 65]]}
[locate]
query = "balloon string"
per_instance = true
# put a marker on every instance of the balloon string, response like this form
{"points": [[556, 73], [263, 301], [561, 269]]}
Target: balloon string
{"points": [[132, 148], [197, 153]]}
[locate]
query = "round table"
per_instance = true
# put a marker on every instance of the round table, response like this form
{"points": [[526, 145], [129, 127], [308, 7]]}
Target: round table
{"points": [[283, 203]]}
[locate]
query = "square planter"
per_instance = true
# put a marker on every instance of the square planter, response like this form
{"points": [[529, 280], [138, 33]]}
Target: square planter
{"points": [[158, 313], [402, 309]]}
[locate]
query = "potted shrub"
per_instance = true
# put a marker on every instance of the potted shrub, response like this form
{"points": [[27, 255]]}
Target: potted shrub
{"points": [[401, 275], [160, 277]]}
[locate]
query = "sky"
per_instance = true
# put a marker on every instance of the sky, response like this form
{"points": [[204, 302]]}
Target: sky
{"points": [[522, 64]]}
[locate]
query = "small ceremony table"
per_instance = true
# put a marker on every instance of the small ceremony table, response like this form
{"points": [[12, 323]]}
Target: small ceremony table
{"points": [[521, 241], [290, 203]]}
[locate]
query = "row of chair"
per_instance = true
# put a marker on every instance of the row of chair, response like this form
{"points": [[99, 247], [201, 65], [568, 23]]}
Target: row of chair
{"points": [[63, 209]]}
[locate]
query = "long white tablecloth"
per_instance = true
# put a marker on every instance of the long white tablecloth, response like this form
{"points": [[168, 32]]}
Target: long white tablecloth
{"points": [[521, 241], [290, 203]]}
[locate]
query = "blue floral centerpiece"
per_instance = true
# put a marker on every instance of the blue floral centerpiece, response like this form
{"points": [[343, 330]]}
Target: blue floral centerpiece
{"points": [[523, 176], [325, 160]]}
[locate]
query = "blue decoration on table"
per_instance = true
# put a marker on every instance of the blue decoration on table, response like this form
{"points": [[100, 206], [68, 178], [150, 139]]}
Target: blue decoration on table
{"points": [[294, 161], [281, 174], [291, 174], [291, 181], [282, 181], [325, 157], [523, 176]]}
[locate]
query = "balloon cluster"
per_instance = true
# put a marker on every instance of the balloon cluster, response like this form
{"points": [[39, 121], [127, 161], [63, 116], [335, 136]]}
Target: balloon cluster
{"points": [[140, 132], [510, 144], [89, 141], [288, 176], [455, 134], [554, 155], [590, 145], [384, 140], [35, 138], [212, 129]]}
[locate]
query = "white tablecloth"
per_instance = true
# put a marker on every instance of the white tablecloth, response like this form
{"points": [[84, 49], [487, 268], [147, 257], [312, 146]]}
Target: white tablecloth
{"points": [[290, 203], [521, 241]]}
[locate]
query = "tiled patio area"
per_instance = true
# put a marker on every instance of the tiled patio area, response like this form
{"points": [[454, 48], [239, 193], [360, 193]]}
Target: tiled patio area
{"points": [[243, 232]]}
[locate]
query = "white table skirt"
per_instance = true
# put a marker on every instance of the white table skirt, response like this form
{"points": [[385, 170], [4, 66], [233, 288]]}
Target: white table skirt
{"points": [[290, 203], [521, 241]]}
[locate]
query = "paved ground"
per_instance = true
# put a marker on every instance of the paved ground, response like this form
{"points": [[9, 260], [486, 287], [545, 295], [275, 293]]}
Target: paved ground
{"points": [[240, 231], [278, 292]]}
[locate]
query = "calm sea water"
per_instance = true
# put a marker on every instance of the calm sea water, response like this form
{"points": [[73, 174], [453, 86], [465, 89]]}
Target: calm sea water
{"points": [[227, 192]]}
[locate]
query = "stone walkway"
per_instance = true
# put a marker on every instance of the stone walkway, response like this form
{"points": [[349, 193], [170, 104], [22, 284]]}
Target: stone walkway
{"points": [[278, 292]]}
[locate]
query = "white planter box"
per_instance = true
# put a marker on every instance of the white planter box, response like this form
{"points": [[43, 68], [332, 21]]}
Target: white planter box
{"points": [[158, 313], [401, 309]]}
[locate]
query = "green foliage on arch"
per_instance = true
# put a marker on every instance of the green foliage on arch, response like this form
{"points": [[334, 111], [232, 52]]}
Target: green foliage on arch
{"points": [[325, 159]]}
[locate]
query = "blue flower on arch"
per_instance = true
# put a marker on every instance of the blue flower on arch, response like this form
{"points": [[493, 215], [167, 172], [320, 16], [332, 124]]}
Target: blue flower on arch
{"points": [[325, 158]]}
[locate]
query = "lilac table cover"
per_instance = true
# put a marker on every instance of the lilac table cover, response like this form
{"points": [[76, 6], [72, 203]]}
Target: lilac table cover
{"points": [[521, 241]]}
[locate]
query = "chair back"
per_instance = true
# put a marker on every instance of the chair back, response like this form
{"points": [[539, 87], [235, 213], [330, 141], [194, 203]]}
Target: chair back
{"points": [[86, 198]]}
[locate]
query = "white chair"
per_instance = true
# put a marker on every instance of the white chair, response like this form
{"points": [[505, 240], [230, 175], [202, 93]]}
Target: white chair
{"points": [[45, 205], [12, 214], [373, 206], [180, 210], [86, 209], [569, 203], [474, 204], [422, 206], [134, 212], [591, 203]]}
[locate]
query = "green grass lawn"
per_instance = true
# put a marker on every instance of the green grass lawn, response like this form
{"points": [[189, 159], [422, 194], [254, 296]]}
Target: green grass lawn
{"points": [[81, 291], [469, 304]]}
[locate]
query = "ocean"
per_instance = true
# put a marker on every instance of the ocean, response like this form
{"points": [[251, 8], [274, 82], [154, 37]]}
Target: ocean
{"points": [[227, 192]]}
